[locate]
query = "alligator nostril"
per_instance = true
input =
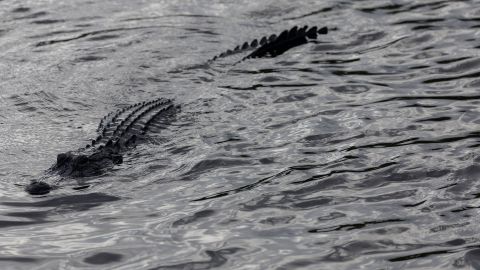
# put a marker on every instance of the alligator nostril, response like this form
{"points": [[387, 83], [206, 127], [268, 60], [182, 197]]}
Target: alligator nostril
{"points": [[38, 188]]}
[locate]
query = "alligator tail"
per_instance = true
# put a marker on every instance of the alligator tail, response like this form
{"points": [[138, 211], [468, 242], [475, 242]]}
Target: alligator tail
{"points": [[274, 45]]}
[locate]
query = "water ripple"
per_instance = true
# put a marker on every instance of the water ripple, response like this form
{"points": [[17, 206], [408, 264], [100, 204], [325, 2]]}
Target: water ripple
{"points": [[357, 150]]}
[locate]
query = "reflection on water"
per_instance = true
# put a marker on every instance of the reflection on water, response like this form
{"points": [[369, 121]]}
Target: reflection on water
{"points": [[358, 150]]}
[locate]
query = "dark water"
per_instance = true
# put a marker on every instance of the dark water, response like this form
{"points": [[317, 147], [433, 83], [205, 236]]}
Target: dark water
{"points": [[356, 152]]}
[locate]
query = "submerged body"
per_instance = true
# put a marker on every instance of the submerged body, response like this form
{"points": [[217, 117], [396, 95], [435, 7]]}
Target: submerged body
{"points": [[117, 133], [120, 131]]}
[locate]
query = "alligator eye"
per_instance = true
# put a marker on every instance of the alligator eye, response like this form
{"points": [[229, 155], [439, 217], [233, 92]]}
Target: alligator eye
{"points": [[81, 160], [62, 158]]}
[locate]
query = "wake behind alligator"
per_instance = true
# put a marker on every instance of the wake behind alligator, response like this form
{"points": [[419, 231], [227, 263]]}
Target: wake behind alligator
{"points": [[120, 131]]}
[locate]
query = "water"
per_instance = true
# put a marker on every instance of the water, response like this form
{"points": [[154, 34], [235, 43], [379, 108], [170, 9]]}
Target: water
{"points": [[356, 152]]}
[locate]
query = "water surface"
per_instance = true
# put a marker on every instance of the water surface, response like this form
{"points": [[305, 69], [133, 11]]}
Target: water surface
{"points": [[355, 152]]}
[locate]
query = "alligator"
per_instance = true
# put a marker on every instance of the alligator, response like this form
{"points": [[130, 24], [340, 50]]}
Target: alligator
{"points": [[120, 131]]}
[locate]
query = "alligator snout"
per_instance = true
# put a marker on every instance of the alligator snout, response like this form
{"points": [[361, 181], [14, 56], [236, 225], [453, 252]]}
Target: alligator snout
{"points": [[74, 164], [38, 188]]}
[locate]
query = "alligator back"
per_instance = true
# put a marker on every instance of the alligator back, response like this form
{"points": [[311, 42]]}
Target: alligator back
{"points": [[123, 128], [117, 132]]}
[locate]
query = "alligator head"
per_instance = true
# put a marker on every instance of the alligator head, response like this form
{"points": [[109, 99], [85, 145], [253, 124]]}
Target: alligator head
{"points": [[118, 132], [83, 164], [78, 164]]}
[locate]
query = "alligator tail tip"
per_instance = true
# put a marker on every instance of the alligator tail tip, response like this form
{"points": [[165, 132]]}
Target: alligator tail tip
{"points": [[323, 30]]}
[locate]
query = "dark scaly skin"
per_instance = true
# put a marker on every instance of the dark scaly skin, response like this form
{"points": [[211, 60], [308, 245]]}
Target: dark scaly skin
{"points": [[274, 45], [287, 40], [123, 129], [118, 132]]}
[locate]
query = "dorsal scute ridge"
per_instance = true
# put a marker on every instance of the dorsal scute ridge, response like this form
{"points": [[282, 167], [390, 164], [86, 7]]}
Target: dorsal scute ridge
{"points": [[263, 40], [302, 30], [273, 45], [117, 120], [111, 117], [148, 123], [293, 31], [133, 118], [283, 35], [286, 40], [121, 123], [312, 32], [147, 111]]}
